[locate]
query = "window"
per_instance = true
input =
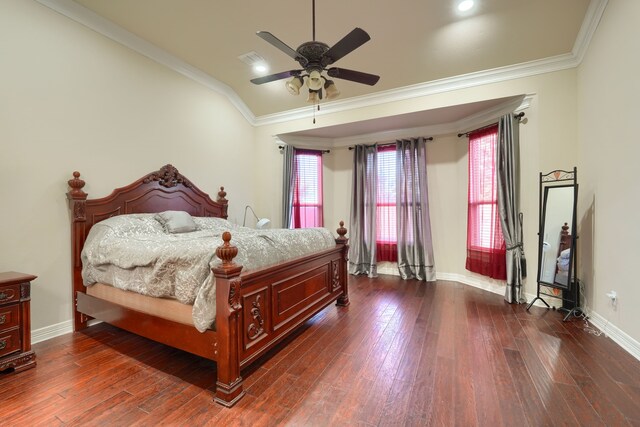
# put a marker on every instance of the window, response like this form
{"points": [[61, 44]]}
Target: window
{"points": [[386, 231], [486, 250], [307, 193]]}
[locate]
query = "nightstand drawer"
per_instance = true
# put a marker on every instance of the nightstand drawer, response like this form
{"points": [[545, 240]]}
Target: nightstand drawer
{"points": [[9, 316], [9, 342], [9, 294]]}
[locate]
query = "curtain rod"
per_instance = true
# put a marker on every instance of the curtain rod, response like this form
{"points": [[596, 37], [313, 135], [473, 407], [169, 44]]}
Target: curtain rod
{"points": [[393, 143], [281, 147], [518, 116]]}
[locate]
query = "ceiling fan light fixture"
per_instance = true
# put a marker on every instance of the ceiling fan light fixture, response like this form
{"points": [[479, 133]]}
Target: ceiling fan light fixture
{"points": [[314, 81], [331, 90], [294, 85], [313, 58], [314, 96]]}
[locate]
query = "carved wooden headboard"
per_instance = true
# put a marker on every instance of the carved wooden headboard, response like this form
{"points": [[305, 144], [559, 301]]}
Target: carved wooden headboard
{"points": [[565, 238], [162, 190], [165, 189]]}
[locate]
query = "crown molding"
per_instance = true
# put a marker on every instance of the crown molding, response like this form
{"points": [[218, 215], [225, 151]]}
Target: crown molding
{"points": [[97, 23], [90, 19], [588, 28]]}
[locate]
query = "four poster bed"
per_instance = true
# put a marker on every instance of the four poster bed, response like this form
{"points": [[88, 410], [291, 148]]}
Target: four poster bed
{"points": [[254, 310]]}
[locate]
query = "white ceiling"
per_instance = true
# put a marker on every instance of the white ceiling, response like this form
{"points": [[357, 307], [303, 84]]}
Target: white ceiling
{"points": [[412, 41]]}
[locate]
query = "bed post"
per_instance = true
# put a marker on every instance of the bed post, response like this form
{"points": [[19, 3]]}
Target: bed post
{"points": [[229, 384], [223, 201], [343, 300], [77, 203]]}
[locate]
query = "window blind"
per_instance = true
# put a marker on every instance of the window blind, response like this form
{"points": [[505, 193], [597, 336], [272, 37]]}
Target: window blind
{"points": [[485, 242], [307, 195], [386, 227]]}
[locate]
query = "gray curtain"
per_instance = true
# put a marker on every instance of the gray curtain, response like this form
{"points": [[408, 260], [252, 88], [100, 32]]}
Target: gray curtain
{"points": [[508, 170], [288, 184], [415, 249], [362, 229]]}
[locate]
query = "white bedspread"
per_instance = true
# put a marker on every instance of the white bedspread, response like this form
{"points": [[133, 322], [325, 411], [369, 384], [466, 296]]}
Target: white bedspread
{"points": [[133, 252]]}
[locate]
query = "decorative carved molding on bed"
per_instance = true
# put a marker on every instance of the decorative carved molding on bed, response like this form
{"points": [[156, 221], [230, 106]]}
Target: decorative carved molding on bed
{"points": [[254, 310]]}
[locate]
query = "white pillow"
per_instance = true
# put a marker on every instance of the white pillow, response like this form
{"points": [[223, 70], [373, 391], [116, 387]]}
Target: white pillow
{"points": [[176, 221]]}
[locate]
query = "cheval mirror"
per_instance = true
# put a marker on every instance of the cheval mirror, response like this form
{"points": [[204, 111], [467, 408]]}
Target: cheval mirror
{"points": [[557, 240]]}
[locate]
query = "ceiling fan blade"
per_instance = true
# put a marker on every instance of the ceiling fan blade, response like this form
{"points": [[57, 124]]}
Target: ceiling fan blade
{"points": [[354, 76], [273, 40], [356, 38], [274, 77]]}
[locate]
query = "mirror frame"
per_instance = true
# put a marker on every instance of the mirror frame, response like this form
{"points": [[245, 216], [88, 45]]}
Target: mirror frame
{"points": [[570, 295], [555, 179]]}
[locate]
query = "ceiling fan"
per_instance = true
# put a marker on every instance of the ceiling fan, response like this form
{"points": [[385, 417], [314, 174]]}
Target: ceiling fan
{"points": [[314, 57]]}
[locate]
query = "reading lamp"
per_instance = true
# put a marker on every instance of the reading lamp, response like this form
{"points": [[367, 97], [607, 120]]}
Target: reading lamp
{"points": [[261, 222]]}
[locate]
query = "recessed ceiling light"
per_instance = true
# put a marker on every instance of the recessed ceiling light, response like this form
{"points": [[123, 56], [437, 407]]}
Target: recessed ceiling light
{"points": [[465, 5], [260, 68], [255, 61]]}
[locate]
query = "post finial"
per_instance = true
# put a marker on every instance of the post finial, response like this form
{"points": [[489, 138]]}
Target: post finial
{"points": [[341, 233], [76, 185], [226, 252], [221, 196]]}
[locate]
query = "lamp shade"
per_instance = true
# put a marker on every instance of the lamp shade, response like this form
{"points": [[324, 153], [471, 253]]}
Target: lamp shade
{"points": [[314, 81], [294, 85], [313, 97], [331, 90], [263, 223]]}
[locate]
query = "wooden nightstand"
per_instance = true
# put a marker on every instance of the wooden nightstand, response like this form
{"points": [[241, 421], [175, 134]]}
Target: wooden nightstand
{"points": [[15, 321]]}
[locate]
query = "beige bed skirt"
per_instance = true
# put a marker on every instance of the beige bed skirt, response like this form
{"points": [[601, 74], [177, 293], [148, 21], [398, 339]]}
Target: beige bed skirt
{"points": [[166, 308]]}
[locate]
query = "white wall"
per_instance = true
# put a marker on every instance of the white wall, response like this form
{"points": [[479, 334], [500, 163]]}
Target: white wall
{"points": [[71, 99], [608, 89]]}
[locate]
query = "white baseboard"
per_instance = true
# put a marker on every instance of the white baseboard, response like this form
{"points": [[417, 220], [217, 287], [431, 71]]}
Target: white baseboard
{"points": [[56, 330], [617, 335], [461, 278], [48, 332], [466, 280]]}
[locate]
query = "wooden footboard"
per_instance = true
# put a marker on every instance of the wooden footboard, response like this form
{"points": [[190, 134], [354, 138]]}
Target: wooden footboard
{"points": [[257, 310]]}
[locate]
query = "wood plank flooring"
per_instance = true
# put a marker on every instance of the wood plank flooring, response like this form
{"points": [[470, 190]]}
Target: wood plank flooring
{"points": [[404, 353]]}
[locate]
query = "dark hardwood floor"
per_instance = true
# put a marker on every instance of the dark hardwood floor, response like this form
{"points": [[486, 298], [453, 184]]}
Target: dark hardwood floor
{"points": [[403, 353]]}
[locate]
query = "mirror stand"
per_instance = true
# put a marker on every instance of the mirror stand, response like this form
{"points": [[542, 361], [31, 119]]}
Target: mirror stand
{"points": [[557, 260]]}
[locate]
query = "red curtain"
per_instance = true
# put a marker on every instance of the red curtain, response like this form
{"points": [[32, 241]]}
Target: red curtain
{"points": [[307, 192], [386, 231], [486, 250]]}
